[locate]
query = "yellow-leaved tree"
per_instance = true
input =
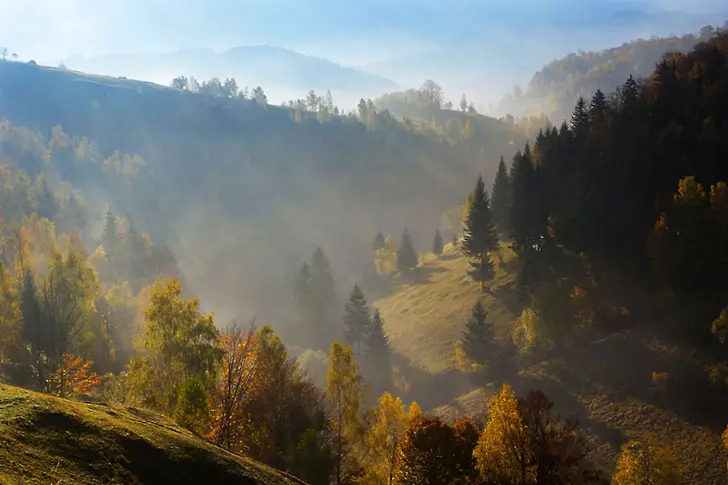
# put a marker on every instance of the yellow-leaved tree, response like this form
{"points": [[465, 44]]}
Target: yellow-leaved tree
{"points": [[345, 391], [646, 462], [502, 452], [390, 421]]}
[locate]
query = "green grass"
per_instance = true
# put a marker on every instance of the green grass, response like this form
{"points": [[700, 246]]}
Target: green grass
{"points": [[606, 383], [52, 441]]}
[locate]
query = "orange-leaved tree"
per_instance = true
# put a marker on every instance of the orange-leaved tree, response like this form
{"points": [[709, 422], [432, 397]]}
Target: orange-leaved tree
{"points": [[73, 377], [237, 377]]}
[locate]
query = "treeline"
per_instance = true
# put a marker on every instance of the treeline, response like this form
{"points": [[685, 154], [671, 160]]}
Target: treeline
{"points": [[630, 194], [210, 164], [554, 89]]}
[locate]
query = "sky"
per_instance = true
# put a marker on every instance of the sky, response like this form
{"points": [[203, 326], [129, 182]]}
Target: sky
{"points": [[511, 38]]}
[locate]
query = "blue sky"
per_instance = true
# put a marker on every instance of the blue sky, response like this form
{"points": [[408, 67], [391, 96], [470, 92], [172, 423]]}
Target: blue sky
{"points": [[51, 29], [504, 40]]}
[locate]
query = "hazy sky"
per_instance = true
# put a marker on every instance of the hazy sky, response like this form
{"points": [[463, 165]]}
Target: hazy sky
{"points": [[503, 39]]}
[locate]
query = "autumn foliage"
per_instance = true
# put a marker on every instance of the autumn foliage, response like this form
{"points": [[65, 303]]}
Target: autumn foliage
{"points": [[73, 378]]}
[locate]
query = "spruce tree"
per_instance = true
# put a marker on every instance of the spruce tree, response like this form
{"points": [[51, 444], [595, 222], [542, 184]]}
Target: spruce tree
{"points": [[378, 353], [110, 235], [305, 313], [437, 244], [480, 237], [323, 290], [598, 104], [477, 338], [406, 255], [580, 116], [378, 242], [357, 320], [501, 200]]}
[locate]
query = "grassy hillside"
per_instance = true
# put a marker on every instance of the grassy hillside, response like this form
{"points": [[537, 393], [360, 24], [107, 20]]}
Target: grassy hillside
{"points": [[243, 192], [48, 440], [606, 383]]}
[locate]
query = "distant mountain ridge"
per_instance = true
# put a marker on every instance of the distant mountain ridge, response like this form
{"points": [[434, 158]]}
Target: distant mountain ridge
{"points": [[283, 73]]}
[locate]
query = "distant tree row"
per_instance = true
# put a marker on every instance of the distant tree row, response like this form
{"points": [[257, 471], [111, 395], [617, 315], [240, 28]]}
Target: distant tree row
{"points": [[219, 89]]}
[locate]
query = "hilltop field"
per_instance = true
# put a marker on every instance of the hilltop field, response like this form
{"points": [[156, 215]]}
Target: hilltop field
{"points": [[49, 440], [607, 383]]}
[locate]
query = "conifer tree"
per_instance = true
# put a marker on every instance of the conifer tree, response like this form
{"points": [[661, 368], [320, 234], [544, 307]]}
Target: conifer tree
{"points": [[480, 237], [580, 116], [378, 242], [501, 200], [378, 353], [598, 104], [304, 300], [324, 293], [437, 244], [110, 235], [477, 339], [357, 320], [406, 255]]}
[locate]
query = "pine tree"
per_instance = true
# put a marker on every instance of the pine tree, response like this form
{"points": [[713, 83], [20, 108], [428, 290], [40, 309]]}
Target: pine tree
{"points": [[304, 301], [378, 242], [480, 237], [598, 104], [477, 339], [406, 255], [437, 244], [580, 117], [110, 235], [357, 320], [501, 200], [378, 353], [323, 289]]}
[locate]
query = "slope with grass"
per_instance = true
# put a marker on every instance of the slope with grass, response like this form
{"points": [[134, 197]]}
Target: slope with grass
{"points": [[607, 383], [49, 440]]}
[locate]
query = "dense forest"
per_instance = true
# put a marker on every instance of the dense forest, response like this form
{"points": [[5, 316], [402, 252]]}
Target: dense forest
{"points": [[618, 220], [554, 89]]}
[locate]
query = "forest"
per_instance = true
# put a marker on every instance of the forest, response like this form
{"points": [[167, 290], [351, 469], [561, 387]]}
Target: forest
{"points": [[614, 221], [554, 89]]}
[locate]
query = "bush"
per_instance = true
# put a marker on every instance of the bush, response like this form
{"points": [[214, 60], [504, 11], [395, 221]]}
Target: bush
{"points": [[192, 410]]}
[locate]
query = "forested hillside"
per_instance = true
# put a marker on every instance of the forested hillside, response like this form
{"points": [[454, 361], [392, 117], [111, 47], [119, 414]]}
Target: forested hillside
{"points": [[555, 88], [241, 190], [593, 271]]}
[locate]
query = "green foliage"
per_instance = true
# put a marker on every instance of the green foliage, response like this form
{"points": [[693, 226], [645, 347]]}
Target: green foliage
{"points": [[357, 320], [501, 200], [479, 235], [191, 409], [477, 339], [377, 356], [406, 254], [437, 244]]}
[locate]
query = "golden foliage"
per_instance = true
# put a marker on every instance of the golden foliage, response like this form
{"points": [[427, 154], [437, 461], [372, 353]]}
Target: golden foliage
{"points": [[646, 462], [73, 378]]}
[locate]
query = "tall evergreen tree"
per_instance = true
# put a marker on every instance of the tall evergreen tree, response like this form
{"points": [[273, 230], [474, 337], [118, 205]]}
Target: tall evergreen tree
{"points": [[480, 237], [378, 352], [378, 242], [357, 320], [406, 255], [326, 307], [110, 235], [580, 117], [477, 338], [501, 200], [437, 244], [528, 214], [304, 303], [598, 104]]}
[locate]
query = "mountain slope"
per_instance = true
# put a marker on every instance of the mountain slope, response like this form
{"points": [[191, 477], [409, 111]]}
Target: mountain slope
{"points": [[555, 88], [283, 73], [425, 314], [241, 192], [52, 440]]}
